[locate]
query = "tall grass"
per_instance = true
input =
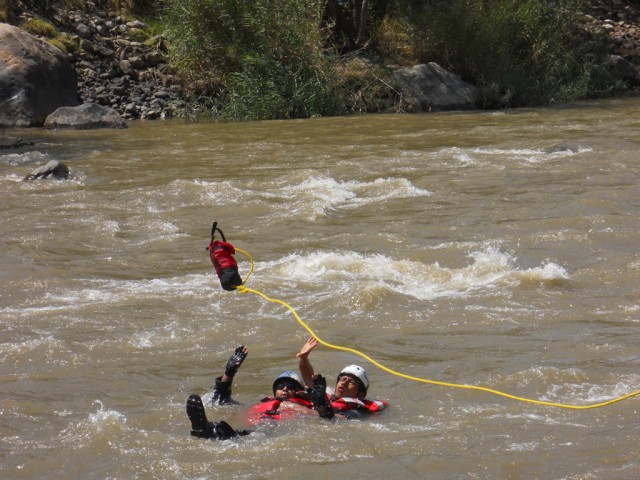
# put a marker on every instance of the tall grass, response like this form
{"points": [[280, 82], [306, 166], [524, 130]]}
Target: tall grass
{"points": [[7, 11], [260, 59], [518, 52]]}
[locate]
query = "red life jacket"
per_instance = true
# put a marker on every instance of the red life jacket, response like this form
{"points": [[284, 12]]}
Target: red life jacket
{"points": [[269, 409], [347, 403]]}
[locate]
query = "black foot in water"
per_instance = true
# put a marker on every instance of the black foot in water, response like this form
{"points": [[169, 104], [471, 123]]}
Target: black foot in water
{"points": [[200, 426], [222, 430]]}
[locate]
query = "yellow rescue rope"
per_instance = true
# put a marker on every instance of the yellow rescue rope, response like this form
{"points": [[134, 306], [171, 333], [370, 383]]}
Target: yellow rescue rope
{"points": [[244, 289]]}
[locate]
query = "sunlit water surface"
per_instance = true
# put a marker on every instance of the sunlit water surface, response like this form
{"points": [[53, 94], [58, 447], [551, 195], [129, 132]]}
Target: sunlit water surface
{"points": [[497, 249]]}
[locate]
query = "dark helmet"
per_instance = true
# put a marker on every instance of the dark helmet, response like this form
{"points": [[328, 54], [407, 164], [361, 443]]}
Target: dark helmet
{"points": [[288, 375]]}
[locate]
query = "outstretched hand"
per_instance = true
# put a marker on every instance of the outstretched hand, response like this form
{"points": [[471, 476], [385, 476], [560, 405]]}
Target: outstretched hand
{"points": [[235, 361], [307, 348]]}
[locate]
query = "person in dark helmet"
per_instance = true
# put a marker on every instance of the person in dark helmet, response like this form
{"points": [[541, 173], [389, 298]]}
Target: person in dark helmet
{"points": [[289, 399], [348, 398], [291, 396]]}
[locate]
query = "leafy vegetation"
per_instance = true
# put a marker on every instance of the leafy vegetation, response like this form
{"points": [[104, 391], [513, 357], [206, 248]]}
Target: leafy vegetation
{"points": [[290, 58], [518, 52], [257, 58], [265, 59], [63, 41]]}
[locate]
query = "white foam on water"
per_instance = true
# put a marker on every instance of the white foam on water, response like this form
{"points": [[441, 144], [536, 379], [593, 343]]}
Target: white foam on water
{"points": [[161, 230], [27, 158], [224, 193], [586, 393], [522, 447], [103, 422], [12, 352], [12, 177], [110, 226], [458, 154], [571, 386], [487, 269], [143, 340], [105, 416], [112, 292], [315, 196], [523, 156]]}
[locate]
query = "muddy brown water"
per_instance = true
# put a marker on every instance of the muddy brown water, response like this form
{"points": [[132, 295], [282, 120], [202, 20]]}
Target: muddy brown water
{"points": [[497, 249]]}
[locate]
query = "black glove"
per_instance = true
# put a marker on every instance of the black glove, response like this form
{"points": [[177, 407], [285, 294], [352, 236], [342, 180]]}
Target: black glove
{"points": [[235, 361], [318, 396]]}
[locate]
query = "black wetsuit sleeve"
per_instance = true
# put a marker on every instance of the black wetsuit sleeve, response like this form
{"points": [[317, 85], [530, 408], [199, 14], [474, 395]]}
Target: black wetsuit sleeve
{"points": [[353, 414], [221, 392]]}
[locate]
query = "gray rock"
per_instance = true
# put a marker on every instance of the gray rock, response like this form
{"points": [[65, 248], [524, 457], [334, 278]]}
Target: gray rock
{"points": [[83, 30], [96, 49], [625, 68], [35, 79], [137, 62], [429, 87], [153, 59], [87, 116], [125, 66], [53, 169], [137, 24]]}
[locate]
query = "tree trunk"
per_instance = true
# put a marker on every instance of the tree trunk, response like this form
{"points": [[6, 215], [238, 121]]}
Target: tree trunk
{"points": [[363, 18]]}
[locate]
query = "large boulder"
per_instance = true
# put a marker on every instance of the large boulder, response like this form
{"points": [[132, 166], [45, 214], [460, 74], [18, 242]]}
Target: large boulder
{"points": [[87, 116], [429, 87], [36, 78], [627, 70], [53, 169]]}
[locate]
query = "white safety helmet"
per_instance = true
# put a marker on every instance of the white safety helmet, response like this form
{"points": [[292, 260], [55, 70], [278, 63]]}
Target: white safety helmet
{"points": [[358, 372], [288, 375]]}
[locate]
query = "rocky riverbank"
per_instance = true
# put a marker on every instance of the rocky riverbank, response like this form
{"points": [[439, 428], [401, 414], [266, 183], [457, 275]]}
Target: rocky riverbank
{"points": [[119, 65], [622, 27]]}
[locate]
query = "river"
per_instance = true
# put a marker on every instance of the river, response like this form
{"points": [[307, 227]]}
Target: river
{"points": [[493, 249]]}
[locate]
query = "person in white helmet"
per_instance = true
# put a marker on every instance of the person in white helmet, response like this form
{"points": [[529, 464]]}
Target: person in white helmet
{"points": [[349, 398], [289, 399]]}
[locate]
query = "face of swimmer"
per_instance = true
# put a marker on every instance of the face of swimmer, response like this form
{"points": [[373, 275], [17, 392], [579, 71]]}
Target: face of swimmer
{"points": [[286, 389], [353, 382], [349, 386]]}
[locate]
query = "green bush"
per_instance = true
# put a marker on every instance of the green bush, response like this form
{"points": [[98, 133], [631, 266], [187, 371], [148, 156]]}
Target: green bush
{"points": [[259, 58], [38, 26], [518, 52]]}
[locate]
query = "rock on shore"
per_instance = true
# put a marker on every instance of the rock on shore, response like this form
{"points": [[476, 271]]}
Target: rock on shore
{"points": [[115, 67], [622, 28], [87, 116], [26, 64]]}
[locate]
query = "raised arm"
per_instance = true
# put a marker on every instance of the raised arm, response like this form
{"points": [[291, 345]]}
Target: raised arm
{"points": [[222, 388], [306, 369]]}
